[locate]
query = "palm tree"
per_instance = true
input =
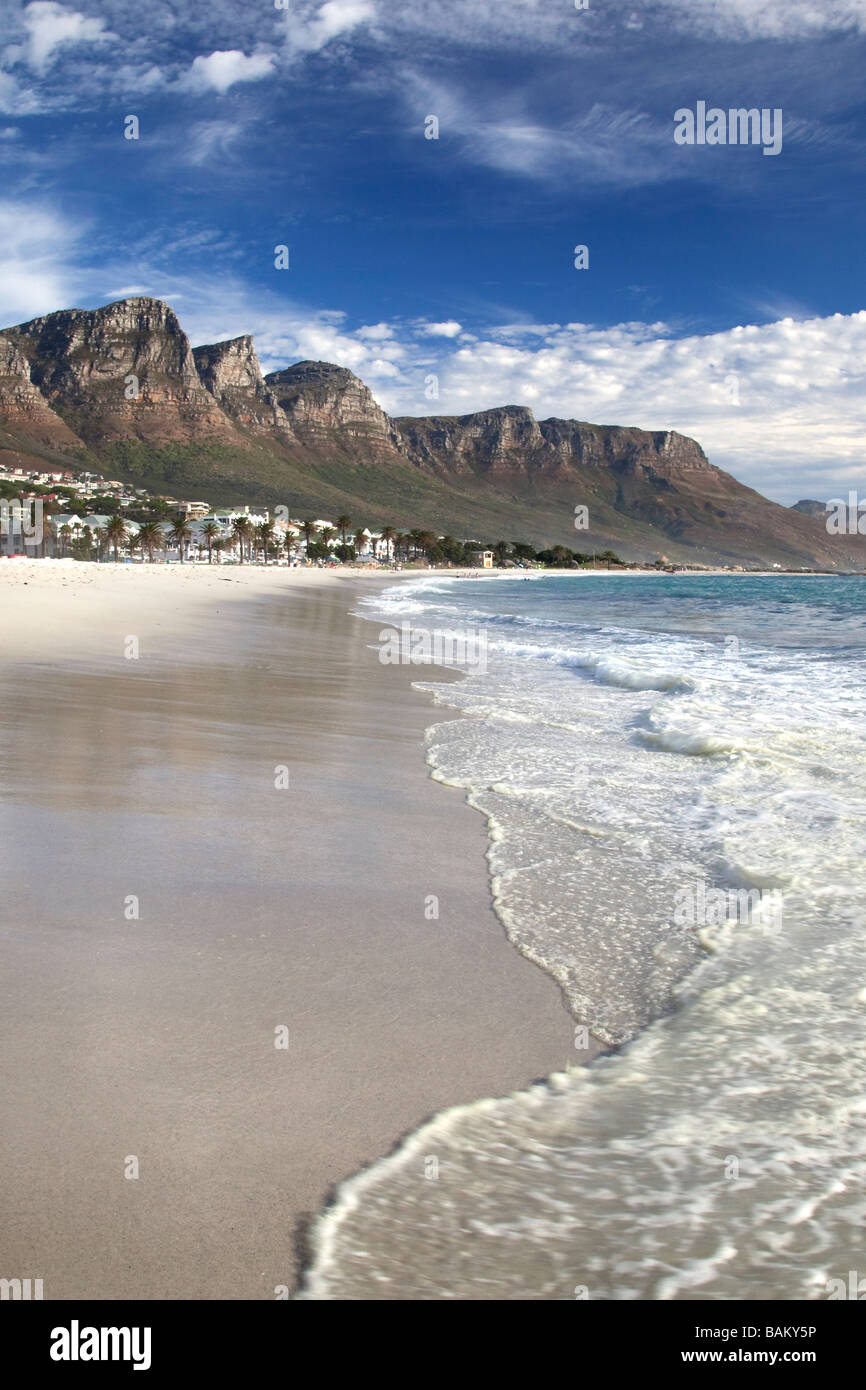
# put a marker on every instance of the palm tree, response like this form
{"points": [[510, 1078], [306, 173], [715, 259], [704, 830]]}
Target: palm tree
{"points": [[115, 534], [360, 540], [64, 535], [389, 536], [150, 538], [180, 533], [48, 508], [401, 542], [210, 532], [343, 524], [217, 546], [240, 533], [327, 534], [309, 530], [290, 541], [265, 536]]}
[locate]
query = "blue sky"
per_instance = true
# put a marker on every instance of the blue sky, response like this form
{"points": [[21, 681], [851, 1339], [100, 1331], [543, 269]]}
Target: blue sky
{"points": [[724, 293]]}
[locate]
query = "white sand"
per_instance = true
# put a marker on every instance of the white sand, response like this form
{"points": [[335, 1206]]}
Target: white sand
{"points": [[153, 1037]]}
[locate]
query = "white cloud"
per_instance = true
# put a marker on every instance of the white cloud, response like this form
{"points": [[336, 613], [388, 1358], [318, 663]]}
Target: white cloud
{"points": [[449, 329], [779, 405], [222, 69], [311, 27], [35, 277], [375, 331], [50, 26], [140, 79]]}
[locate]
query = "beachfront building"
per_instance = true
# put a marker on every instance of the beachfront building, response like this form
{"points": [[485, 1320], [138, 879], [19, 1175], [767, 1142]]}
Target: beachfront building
{"points": [[363, 541], [65, 528], [482, 559], [97, 521], [381, 549], [70, 520], [229, 515], [68, 527], [73, 525]]}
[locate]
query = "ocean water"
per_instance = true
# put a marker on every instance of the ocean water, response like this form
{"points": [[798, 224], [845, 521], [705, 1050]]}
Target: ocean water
{"points": [[673, 770]]}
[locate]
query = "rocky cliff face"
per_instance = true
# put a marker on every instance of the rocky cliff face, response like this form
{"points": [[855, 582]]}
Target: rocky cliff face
{"points": [[24, 409], [511, 439], [230, 371], [489, 440], [600, 446], [328, 406], [123, 371]]}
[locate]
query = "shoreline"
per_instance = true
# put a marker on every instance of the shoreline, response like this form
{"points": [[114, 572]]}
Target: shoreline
{"points": [[153, 1038]]}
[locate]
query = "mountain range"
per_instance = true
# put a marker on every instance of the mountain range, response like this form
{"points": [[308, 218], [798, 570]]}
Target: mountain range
{"points": [[120, 389]]}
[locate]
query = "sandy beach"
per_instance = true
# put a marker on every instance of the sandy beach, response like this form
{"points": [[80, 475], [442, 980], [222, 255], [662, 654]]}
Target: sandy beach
{"points": [[169, 909]]}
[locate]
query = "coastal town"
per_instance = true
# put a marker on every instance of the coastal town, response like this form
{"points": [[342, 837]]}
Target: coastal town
{"points": [[85, 516]]}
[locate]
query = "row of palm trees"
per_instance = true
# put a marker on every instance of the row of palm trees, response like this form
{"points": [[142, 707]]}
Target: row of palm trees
{"points": [[153, 536], [247, 539]]}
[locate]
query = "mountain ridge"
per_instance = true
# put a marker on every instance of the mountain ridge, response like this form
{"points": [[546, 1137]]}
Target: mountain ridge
{"points": [[121, 386]]}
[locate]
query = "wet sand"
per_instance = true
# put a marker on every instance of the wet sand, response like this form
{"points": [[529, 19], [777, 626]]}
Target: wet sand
{"points": [[150, 1040]]}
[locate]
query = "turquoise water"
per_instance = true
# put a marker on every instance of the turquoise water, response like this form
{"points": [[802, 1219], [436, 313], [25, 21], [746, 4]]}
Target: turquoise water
{"points": [[673, 771]]}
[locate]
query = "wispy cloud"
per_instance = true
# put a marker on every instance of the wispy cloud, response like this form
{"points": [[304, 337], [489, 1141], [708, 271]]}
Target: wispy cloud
{"points": [[746, 20], [37, 245], [207, 140]]}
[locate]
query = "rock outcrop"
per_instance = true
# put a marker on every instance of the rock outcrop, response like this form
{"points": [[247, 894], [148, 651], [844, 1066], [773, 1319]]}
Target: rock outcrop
{"points": [[123, 371], [328, 407], [230, 371]]}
